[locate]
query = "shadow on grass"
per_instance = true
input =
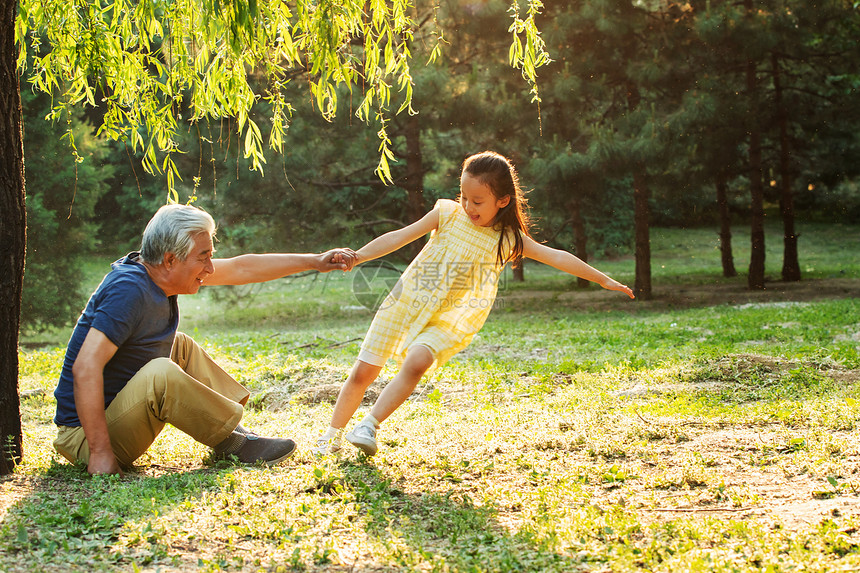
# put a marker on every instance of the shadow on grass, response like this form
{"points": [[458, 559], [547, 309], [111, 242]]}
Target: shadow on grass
{"points": [[69, 520], [444, 531]]}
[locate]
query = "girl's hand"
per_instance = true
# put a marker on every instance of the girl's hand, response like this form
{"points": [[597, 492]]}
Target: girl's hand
{"points": [[346, 258], [613, 284]]}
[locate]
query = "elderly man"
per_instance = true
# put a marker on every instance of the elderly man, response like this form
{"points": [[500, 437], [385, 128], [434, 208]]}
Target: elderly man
{"points": [[127, 370]]}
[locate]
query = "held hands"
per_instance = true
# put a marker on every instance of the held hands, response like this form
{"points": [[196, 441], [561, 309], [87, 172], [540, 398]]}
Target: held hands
{"points": [[338, 260], [346, 257]]}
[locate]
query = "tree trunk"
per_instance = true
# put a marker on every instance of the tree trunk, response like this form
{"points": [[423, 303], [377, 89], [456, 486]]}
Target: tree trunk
{"points": [[790, 263], [755, 280], [580, 239], [413, 183], [13, 226], [519, 271], [725, 227], [641, 217]]}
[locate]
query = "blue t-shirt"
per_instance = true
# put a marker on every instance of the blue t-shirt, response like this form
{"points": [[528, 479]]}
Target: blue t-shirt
{"points": [[136, 315]]}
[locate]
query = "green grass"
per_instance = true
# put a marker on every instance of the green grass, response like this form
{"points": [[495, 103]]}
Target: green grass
{"points": [[579, 432], [685, 253]]}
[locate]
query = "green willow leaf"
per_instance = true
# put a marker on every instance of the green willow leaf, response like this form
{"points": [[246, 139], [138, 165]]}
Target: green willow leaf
{"points": [[145, 60]]}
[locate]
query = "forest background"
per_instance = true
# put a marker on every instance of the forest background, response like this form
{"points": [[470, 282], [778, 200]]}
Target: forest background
{"points": [[659, 437], [682, 114]]}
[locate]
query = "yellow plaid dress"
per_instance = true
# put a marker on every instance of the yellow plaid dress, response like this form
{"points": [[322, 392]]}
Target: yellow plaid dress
{"points": [[443, 297]]}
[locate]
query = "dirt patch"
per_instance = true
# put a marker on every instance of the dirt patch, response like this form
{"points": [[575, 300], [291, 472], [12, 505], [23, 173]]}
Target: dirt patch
{"points": [[644, 391], [13, 489], [728, 291], [740, 367], [311, 392], [757, 479], [778, 475]]}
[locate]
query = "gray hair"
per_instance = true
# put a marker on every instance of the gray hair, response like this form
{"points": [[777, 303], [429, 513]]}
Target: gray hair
{"points": [[172, 230]]}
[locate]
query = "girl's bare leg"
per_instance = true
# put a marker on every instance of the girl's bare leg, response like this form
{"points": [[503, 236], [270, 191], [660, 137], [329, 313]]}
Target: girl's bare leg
{"points": [[418, 360], [352, 392]]}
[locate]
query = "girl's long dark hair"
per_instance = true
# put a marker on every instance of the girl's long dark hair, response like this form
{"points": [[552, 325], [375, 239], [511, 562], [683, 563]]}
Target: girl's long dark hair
{"points": [[498, 173]]}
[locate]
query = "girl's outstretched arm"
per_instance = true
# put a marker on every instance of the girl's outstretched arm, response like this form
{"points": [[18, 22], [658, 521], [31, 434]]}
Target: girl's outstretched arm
{"points": [[564, 261], [393, 240]]}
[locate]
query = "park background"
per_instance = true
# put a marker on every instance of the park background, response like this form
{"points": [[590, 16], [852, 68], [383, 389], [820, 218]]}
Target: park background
{"points": [[651, 114], [705, 155]]}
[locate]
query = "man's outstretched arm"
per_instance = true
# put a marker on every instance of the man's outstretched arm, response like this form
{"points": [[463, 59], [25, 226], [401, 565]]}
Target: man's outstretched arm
{"points": [[256, 268]]}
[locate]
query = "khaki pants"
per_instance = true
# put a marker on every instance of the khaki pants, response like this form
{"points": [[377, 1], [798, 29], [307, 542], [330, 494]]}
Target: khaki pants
{"points": [[187, 390]]}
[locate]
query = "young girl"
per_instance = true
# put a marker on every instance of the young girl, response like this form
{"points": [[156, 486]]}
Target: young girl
{"points": [[443, 298]]}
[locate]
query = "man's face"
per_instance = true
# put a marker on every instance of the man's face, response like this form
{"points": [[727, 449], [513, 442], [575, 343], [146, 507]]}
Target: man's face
{"points": [[185, 277]]}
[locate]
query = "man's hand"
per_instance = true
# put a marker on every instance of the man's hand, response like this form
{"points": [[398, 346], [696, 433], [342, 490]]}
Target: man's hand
{"points": [[338, 259], [103, 463]]}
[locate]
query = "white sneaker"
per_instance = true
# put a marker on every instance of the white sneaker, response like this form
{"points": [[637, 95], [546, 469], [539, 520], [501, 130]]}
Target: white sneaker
{"points": [[363, 437], [327, 446]]}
